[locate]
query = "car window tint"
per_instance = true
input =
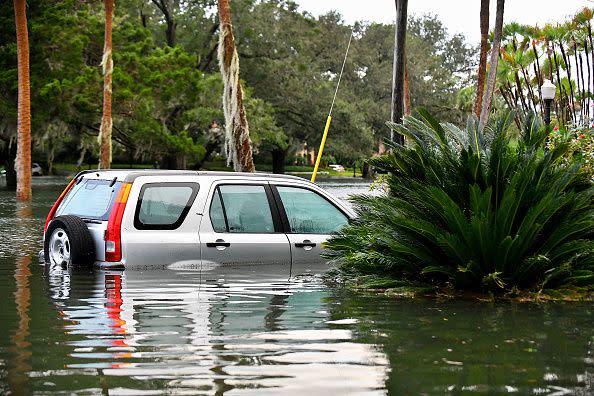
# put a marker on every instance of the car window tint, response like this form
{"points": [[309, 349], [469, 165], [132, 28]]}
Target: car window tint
{"points": [[217, 217], [310, 213], [162, 205], [91, 198], [247, 209]]}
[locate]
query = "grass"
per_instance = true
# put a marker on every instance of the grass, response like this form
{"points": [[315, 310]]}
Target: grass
{"points": [[219, 166]]}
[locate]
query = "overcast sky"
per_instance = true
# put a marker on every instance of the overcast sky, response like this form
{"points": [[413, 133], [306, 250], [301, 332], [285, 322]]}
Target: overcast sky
{"points": [[459, 16]]}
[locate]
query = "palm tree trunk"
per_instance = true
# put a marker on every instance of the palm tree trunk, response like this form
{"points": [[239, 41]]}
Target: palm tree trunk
{"points": [[107, 63], [407, 107], [520, 92], [562, 95], [531, 95], [558, 103], [568, 70], [579, 64], [23, 158], [482, 67], [490, 88], [511, 94], [539, 79], [587, 112], [397, 109], [590, 71], [238, 143], [509, 104]]}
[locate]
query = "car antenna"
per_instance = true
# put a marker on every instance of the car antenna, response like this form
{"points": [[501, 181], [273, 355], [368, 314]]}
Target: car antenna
{"points": [[329, 119]]}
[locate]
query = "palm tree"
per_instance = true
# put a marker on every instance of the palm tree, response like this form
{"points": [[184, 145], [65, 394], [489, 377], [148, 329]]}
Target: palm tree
{"points": [[490, 88], [462, 211], [23, 160], [482, 67], [236, 125], [107, 63]]}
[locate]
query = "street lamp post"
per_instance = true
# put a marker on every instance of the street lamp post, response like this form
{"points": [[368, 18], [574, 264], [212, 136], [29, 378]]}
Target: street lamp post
{"points": [[548, 94]]}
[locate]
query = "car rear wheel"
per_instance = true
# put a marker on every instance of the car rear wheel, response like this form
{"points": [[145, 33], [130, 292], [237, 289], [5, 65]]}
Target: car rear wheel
{"points": [[68, 241]]}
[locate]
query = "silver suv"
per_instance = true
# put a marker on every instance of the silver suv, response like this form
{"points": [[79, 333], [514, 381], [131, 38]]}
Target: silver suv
{"points": [[128, 218]]}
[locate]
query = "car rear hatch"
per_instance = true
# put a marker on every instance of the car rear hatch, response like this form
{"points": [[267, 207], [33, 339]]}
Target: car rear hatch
{"points": [[92, 199]]}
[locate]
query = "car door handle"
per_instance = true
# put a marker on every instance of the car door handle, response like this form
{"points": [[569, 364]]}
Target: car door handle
{"points": [[306, 243], [218, 243]]}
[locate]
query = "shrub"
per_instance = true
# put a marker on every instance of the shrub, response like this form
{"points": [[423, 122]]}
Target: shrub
{"points": [[581, 145], [474, 211]]}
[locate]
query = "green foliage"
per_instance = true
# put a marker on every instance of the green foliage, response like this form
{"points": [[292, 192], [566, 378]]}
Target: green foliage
{"points": [[165, 97], [581, 146], [478, 212]]}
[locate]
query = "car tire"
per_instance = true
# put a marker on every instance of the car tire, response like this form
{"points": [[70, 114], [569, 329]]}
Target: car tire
{"points": [[68, 241]]}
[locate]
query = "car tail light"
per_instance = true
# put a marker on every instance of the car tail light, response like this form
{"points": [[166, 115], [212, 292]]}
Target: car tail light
{"points": [[113, 242], [54, 208]]}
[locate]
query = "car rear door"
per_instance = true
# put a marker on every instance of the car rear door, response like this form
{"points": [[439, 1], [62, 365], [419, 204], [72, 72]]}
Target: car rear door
{"points": [[309, 218], [160, 229], [241, 226]]}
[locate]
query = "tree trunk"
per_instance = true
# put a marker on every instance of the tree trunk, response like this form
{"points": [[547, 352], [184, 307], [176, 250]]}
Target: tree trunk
{"points": [[398, 68], [170, 32], [580, 78], [50, 160], [23, 157], [237, 135], [490, 88], [278, 161], [568, 70], [482, 67], [166, 9], [520, 92], [9, 160], [210, 148], [407, 107], [562, 106], [107, 63], [539, 79], [366, 171], [586, 53], [590, 70]]}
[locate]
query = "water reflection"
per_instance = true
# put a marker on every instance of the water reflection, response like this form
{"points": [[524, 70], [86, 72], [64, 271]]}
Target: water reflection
{"points": [[17, 374], [219, 331], [437, 347]]}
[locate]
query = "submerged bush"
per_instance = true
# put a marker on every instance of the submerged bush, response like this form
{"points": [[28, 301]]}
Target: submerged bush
{"points": [[472, 210]]}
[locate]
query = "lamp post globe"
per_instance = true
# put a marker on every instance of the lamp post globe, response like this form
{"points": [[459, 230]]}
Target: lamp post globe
{"points": [[548, 90]]}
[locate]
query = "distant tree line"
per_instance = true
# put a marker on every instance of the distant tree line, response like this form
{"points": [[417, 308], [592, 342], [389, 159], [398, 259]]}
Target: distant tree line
{"points": [[166, 85]]}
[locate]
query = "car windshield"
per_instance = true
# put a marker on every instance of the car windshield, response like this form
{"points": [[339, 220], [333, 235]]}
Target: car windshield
{"points": [[90, 199]]}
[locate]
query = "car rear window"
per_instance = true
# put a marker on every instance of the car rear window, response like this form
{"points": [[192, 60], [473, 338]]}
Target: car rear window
{"points": [[90, 199], [164, 206]]}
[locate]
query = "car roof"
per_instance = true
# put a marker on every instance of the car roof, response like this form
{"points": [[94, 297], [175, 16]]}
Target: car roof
{"points": [[129, 175]]}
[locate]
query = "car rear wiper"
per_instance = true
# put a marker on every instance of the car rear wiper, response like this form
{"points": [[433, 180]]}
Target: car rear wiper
{"points": [[94, 221]]}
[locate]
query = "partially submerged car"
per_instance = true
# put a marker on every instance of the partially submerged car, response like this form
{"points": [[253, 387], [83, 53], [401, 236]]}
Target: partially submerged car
{"points": [[159, 218], [36, 169]]}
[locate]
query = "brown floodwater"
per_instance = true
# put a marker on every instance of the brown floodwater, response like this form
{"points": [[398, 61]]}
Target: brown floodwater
{"points": [[254, 330]]}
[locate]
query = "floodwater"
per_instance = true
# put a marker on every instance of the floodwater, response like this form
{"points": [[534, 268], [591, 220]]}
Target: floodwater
{"points": [[256, 331]]}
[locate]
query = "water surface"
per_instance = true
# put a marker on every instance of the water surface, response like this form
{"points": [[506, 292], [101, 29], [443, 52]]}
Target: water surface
{"points": [[255, 330]]}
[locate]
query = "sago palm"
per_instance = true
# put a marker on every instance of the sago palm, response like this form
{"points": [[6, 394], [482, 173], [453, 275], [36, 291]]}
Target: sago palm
{"points": [[474, 211]]}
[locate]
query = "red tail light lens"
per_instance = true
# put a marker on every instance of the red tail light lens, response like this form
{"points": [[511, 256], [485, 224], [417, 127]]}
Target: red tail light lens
{"points": [[54, 208], [113, 242]]}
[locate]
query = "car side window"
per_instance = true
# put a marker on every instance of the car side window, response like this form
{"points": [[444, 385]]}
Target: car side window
{"points": [[241, 209], [164, 206], [310, 213], [217, 215]]}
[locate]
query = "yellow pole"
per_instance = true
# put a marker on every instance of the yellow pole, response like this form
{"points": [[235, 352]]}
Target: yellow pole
{"points": [[322, 144]]}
